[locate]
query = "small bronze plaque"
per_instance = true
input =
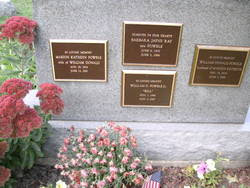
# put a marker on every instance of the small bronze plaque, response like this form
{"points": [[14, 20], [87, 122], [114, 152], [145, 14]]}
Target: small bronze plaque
{"points": [[147, 88], [79, 60], [218, 65], [152, 44]]}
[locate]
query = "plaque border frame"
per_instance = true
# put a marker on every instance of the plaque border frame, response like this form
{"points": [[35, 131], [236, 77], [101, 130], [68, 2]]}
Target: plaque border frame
{"points": [[222, 48], [105, 42], [151, 23], [152, 72]]}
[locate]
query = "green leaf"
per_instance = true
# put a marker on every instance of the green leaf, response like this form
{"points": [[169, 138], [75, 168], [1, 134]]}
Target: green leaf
{"points": [[31, 159], [24, 159], [37, 135], [25, 146], [9, 72], [37, 149], [12, 59]]}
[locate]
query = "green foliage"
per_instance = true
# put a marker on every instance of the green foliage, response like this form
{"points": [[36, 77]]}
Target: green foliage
{"points": [[17, 60], [211, 179], [23, 152], [2, 19]]}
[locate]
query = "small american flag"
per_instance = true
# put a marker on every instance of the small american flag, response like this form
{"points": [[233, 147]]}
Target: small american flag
{"points": [[153, 181]]}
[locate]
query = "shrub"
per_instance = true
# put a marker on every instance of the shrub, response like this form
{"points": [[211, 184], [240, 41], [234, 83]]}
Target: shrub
{"points": [[105, 158], [16, 49], [24, 127]]}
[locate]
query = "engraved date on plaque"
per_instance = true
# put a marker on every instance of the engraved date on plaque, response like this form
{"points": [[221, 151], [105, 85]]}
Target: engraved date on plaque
{"points": [[218, 65], [148, 88]]}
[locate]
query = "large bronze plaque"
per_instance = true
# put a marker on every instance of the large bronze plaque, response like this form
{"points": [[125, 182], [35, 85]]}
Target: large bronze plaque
{"points": [[152, 44], [79, 60], [218, 65], [147, 88]]}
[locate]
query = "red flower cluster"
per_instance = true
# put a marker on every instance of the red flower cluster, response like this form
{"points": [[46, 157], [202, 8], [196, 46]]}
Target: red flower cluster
{"points": [[49, 96], [14, 86], [19, 27], [16, 119], [25, 123], [3, 148], [10, 106], [4, 175]]}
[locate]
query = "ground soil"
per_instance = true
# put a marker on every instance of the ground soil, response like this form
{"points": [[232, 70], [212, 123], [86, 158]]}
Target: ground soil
{"points": [[174, 177]]}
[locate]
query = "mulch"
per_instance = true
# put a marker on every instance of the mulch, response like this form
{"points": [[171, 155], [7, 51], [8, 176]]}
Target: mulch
{"points": [[174, 177]]}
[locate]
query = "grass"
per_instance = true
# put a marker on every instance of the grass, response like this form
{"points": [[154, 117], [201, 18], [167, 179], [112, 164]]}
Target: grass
{"points": [[24, 8]]}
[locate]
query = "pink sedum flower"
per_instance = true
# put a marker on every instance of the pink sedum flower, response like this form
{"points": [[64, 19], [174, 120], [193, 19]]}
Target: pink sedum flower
{"points": [[125, 160], [113, 170], [111, 163], [84, 173], [106, 141], [91, 137], [123, 141], [137, 181], [84, 184], [148, 167], [66, 141], [101, 184], [109, 155], [94, 171], [109, 179], [137, 160], [103, 161], [94, 150], [96, 161], [133, 165], [104, 133], [127, 152]]}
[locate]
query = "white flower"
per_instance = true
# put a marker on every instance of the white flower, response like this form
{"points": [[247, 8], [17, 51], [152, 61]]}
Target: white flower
{"points": [[61, 184], [195, 167], [200, 176], [210, 164], [186, 186], [31, 100]]}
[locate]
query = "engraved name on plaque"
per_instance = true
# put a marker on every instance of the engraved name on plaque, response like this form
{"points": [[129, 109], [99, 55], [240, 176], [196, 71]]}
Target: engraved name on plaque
{"points": [[79, 60], [147, 88], [218, 65], [151, 44]]}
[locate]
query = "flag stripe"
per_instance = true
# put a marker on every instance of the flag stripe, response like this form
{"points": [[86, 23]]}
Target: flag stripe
{"points": [[153, 181]]}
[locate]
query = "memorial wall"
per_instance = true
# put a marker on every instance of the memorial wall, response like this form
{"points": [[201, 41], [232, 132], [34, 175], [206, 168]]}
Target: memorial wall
{"points": [[151, 61], [96, 44]]}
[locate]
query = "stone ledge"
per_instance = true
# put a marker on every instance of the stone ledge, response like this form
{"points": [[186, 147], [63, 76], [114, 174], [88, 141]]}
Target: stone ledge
{"points": [[160, 126], [230, 164], [172, 141]]}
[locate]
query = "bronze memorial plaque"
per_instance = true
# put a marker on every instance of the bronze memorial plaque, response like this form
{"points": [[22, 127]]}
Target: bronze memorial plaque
{"points": [[218, 65], [79, 60], [147, 88], [152, 44]]}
